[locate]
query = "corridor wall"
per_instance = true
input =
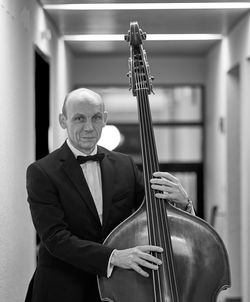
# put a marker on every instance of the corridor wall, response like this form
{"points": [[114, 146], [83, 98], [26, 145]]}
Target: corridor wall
{"points": [[227, 72], [23, 26]]}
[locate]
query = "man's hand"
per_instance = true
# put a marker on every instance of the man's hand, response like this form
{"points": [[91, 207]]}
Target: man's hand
{"points": [[170, 188], [137, 257]]}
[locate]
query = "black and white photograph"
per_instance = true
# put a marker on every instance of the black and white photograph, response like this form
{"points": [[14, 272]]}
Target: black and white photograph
{"points": [[125, 151]]}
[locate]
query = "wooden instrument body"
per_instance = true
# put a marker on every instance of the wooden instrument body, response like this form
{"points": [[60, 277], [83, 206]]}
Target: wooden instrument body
{"points": [[200, 277]]}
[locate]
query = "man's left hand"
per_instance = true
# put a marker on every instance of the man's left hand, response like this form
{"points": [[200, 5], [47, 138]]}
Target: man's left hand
{"points": [[169, 188]]}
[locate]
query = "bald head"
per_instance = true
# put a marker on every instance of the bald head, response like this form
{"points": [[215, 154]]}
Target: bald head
{"points": [[83, 117], [82, 95]]}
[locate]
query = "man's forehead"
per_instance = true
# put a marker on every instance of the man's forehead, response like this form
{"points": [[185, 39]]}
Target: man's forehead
{"points": [[85, 105], [85, 100]]}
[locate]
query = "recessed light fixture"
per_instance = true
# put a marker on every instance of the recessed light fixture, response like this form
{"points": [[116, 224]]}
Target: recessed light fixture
{"points": [[148, 6], [150, 37], [93, 38]]}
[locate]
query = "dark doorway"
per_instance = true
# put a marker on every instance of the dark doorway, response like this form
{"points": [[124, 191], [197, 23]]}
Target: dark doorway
{"points": [[41, 104], [42, 112]]}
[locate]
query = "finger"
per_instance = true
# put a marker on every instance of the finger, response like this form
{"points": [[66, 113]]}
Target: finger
{"points": [[169, 197], [147, 264], [163, 188], [151, 258], [139, 270], [163, 191], [159, 187], [166, 175], [150, 248], [162, 181], [163, 195]]}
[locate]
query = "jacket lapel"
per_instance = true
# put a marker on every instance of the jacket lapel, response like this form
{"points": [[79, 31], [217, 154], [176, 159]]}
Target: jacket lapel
{"points": [[74, 172], [108, 174]]}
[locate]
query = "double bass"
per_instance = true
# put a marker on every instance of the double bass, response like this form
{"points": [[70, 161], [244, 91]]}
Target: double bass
{"points": [[195, 265]]}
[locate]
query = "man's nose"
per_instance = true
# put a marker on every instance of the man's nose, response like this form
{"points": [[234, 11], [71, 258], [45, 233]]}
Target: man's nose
{"points": [[88, 125]]}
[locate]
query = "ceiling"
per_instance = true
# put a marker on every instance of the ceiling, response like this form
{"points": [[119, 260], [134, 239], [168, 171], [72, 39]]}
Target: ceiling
{"points": [[161, 21]]}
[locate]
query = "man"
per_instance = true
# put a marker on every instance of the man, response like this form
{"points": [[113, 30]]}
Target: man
{"points": [[75, 205]]}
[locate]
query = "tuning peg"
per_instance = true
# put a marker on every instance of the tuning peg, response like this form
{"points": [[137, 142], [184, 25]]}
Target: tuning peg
{"points": [[144, 35], [127, 37]]}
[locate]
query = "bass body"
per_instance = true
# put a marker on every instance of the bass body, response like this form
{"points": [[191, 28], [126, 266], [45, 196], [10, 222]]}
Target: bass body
{"points": [[200, 277]]}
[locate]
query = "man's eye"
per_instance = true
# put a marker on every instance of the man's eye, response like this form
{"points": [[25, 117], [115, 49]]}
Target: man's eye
{"points": [[79, 118], [97, 117]]}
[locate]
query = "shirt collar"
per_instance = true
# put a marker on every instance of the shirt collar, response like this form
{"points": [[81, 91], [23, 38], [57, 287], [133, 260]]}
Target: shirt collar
{"points": [[77, 152]]}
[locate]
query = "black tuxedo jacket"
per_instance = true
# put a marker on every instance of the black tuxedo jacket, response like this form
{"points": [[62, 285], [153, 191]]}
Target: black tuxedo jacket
{"points": [[71, 253]]}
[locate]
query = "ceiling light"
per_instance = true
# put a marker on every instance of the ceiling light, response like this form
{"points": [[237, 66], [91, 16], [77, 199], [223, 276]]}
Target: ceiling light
{"points": [[148, 6], [93, 38], [176, 37], [150, 37]]}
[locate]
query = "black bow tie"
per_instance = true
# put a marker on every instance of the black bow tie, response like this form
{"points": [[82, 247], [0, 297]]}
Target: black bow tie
{"points": [[97, 157]]}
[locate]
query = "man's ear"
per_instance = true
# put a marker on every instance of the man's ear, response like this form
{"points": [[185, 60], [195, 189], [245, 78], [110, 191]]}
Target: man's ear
{"points": [[105, 117], [62, 120]]}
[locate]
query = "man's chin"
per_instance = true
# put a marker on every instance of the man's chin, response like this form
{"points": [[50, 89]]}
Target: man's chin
{"points": [[87, 148]]}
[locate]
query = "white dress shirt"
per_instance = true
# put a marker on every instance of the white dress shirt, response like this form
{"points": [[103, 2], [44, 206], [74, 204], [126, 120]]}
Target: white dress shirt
{"points": [[92, 174]]}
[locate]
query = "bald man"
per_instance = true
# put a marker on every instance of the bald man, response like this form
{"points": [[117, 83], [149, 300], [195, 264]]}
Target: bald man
{"points": [[77, 195]]}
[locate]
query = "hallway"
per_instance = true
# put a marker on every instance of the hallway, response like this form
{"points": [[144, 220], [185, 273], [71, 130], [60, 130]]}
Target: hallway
{"points": [[206, 138]]}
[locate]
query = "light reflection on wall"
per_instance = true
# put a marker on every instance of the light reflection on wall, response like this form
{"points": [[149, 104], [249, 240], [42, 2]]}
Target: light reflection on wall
{"points": [[111, 137]]}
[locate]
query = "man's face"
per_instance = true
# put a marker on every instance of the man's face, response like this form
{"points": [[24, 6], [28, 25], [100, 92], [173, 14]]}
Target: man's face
{"points": [[84, 122]]}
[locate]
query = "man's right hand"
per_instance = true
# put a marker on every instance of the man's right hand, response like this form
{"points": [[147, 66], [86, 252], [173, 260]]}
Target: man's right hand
{"points": [[137, 257]]}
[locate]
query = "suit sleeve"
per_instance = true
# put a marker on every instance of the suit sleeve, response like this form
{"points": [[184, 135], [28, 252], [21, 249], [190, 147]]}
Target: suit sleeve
{"points": [[49, 221]]}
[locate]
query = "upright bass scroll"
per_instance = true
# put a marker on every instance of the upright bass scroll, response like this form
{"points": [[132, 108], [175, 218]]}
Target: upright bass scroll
{"points": [[135, 38]]}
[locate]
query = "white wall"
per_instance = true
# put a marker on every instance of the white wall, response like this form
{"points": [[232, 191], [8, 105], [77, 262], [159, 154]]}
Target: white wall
{"points": [[107, 70], [22, 23], [61, 84], [215, 153], [239, 45], [234, 50], [17, 238]]}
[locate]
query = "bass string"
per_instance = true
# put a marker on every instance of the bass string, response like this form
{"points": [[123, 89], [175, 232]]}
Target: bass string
{"points": [[159, 235], [162, 226], [140, 89], [159, 228], [138, 83]]}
